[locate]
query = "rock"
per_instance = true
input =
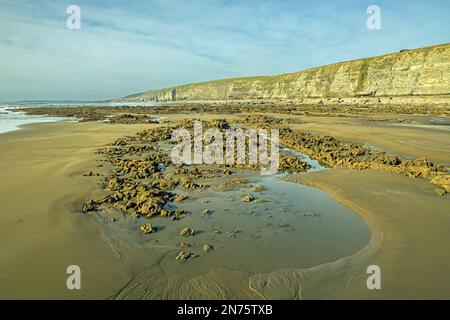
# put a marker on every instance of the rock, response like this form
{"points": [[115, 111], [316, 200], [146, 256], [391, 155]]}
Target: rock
{"points": [[207, 247], [183, 256], [187, 232], [442, 180], [90, 206], [206, 212], [190, 185], [293, 165], [180, 198], [240, 181], [257, 189], [185, 245], [227, 172], [440, 192], [248, 198], [147, 228]]}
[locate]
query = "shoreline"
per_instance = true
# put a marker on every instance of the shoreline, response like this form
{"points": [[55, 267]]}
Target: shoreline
{"points": [[18, 119]]}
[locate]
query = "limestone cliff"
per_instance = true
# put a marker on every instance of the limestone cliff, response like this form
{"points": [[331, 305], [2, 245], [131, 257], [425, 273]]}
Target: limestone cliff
{"points": [[417, 72]]}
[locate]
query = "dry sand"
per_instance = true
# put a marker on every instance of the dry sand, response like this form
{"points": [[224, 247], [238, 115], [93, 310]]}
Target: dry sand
{"points": [[42, 231]]}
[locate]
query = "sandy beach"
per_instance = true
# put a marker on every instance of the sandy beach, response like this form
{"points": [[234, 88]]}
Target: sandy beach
{"points": [[43, 230], [197, 156], [409, 225]]}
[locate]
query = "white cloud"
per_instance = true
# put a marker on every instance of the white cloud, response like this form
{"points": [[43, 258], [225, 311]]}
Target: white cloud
{"points": [[126, 47]]}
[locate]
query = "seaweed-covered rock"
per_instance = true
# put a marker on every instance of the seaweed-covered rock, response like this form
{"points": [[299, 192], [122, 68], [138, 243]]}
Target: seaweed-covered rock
{"points": [[248, 198], [183, 256], [207, 248], [293, 165], [187, 232], [90, 206], [147, 228], [180, 198]]}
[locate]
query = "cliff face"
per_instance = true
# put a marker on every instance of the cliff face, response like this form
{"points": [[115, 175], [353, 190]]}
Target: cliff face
{"points": [[424, 71]]}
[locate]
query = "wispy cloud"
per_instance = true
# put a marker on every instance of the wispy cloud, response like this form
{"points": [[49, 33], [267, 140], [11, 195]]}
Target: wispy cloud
{"points": [[125, 47]]}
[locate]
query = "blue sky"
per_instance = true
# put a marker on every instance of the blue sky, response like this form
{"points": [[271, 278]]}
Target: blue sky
{"points": [[125, 47]]}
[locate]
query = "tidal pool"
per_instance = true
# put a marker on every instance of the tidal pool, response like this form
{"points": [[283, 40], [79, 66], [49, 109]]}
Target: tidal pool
{"points": [[287, 226]]}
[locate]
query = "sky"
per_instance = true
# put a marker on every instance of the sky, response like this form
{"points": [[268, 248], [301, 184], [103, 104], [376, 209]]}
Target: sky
{"points": [[125, 47]]}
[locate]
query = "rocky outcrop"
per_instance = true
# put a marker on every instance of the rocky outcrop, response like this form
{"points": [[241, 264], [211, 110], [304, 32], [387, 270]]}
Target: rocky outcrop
{"points": [[418, 72]]}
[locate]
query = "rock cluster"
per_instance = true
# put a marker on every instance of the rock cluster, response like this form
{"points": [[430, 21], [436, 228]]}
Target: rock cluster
{"points": [[335, 153], [329, 107]]}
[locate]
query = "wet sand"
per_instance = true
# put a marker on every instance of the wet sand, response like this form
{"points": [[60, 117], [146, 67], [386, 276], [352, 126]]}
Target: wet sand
{"points": [[410, 235], [43, 231], [299, 229]]}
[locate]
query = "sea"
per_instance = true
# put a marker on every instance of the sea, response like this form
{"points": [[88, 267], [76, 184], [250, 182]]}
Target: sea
{"points": [[11, 119]]}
